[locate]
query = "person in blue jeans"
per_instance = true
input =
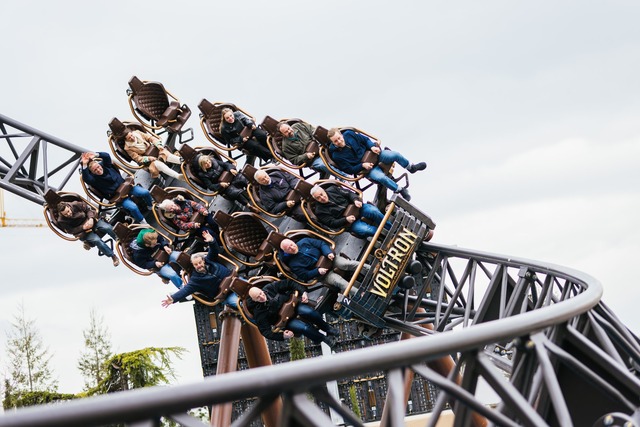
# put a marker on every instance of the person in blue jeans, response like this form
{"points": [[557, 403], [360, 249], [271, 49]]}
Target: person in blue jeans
{"points": [[330, 207], [206, 277], [265, 304], [81, 220], [348, 148], [99, 172], [143, 248]]}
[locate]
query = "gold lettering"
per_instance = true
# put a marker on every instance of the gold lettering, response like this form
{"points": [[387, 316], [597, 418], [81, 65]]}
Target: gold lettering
{"points": [[394, 254], [393, 260], [407, 235], [378, 291]]}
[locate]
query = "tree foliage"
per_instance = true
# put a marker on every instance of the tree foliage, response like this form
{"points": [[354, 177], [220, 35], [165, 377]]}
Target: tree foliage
{"points": [[296, 348], [97, 341], [148, 367], [35, 398], [28, 361]]}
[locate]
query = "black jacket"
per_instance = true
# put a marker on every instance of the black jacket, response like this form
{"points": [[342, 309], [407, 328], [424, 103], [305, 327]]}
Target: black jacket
{"points": [[272, 196], [231, 131], [331, 213], [266, 314]]}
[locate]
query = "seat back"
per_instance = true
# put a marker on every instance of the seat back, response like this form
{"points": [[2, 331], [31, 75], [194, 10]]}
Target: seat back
{"points": [[125, 235], [245, 233], [150, 98], [155, 104]]}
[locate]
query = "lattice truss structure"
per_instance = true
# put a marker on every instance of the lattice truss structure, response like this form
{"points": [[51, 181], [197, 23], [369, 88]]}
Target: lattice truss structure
{"points": [[32, 162]]}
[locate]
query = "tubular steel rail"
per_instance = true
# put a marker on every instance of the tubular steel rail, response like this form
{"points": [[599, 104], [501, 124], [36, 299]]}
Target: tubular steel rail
{"points": [[563, 359]]}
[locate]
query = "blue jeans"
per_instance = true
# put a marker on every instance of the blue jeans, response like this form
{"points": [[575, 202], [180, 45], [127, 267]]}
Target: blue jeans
{"points": [[387, 157], [232, 300], [131, 206], [368, 211], [304, 323], [319, 165], [93, 238], [167, 272]]}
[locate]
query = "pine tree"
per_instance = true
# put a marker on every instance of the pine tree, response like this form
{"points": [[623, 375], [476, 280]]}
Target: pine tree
{"points": [[97, 351], [28, 360]]}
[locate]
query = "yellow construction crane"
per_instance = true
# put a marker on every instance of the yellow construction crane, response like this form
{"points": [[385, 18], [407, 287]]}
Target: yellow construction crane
{"points": [[19, 222]]}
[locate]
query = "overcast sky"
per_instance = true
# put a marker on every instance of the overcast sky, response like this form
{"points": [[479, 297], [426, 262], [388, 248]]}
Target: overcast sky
{"points": [[526, 113]]}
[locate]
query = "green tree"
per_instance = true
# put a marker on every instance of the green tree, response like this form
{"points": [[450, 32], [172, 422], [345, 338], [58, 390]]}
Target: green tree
{"points": [[28, 361], [296, 348], [141, 368], [97, 351]]}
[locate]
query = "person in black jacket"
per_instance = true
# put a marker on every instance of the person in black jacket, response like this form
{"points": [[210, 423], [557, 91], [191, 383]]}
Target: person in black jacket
{"points": [[208, 169], [273, 189], [331, 204], [143, 248], [232, 125], [99, 172], [265, 305]]}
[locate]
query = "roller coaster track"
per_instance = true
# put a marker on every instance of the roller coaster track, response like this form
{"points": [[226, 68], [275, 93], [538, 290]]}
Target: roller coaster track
{"points": [[534, 338]]}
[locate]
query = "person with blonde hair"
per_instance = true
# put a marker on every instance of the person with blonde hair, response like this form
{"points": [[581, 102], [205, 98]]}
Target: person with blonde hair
{"points": [[208, 169], [136, 144], [231, 127]]}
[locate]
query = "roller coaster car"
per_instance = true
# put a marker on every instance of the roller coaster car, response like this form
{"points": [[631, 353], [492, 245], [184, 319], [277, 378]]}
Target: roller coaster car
{"points": [[189, 154], [296, 236], [127, 233], [226, 285], [121, 193], [159, 194], [156, 108], [308, 204], [244, 237], [249, 172], [52, 199], [211, 122], [270, 125], [117, 132]]}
